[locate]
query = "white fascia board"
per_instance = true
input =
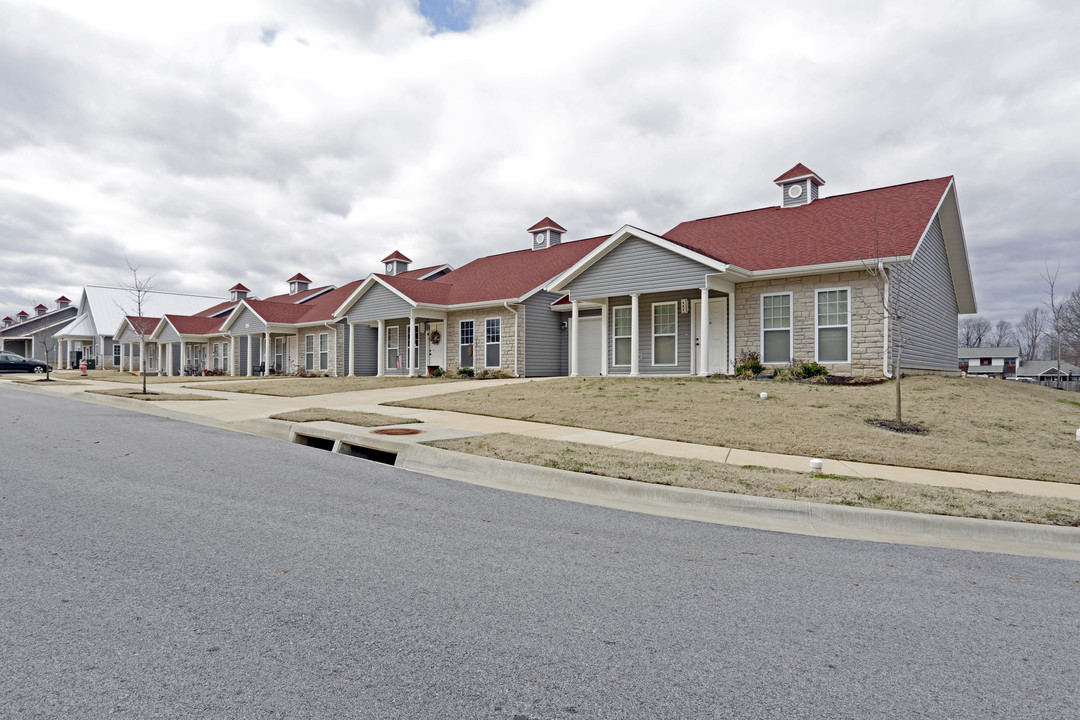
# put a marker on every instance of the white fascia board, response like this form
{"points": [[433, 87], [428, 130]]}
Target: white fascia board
{"points": [[497, 303], [582, 305], [801, 270], [617, 238], [447, 268], [120, 330], [952, 233], [811, 176], [325, 290], [225, 326], [351, 300]]}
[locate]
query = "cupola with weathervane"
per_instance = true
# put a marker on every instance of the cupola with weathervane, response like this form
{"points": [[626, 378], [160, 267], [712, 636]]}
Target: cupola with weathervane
{"points": [[546, 233], [396, 263], [238, 292], [298, 284], [799, 186]]}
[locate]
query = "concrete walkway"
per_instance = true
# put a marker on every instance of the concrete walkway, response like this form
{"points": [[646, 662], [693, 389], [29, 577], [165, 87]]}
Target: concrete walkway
{"points": [[241, 407]]}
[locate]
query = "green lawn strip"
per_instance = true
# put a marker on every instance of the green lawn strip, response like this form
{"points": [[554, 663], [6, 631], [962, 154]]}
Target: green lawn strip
{"points": [[765, 482], [348, 417], [137, 394]]}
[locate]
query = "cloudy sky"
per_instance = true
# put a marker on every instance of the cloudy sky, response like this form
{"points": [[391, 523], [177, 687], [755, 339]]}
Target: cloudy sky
{"points": [[243, 141]]}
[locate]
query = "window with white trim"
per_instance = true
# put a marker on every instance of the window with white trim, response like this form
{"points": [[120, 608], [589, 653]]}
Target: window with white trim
{"points": [[393, 360], [833, 326], [465, 342], [117, 356], [622, 319], [215, 356], [493, 342], [776, 329], [279, 354], [309, 353], [324, 351], [224, 356], [665, 323]]}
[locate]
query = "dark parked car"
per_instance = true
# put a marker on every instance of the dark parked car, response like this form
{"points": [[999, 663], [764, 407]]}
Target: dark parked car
{"points": [[10, 362]]}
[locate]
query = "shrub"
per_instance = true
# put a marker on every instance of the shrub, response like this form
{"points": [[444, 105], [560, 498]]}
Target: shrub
{"points": [[804, 369], [437, 372], [749, 364], [465, 372]]}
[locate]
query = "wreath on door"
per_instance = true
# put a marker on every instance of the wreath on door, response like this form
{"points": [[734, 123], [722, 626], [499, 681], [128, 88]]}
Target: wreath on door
{"points": [[434, 337]]}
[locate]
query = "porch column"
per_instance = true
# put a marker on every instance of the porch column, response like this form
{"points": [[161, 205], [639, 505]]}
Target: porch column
{"points": [[444, 340], [731, 333], [604, 337], [351, 359], [266, 352], [380, 350], [250, 358], [635, 334], [574, 338], [703, 357], [232, 355], [169, 369], [412, 333], [131, 357], [183, 356], [160, 358], [142, 358]]}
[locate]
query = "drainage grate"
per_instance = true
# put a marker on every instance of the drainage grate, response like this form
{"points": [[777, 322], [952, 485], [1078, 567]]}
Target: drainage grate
{"points": [[395, 431]]}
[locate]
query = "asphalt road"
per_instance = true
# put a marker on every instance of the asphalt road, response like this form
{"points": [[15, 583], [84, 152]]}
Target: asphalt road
{"points": [[151, 568]]}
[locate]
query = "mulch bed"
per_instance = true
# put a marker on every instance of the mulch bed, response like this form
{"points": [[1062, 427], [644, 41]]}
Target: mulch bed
{"points": [[905, 428]]}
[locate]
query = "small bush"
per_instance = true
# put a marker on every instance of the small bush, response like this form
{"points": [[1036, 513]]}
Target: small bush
{"points": [[804, 369], [749, 364], [491, 375], [465, 372], [437, 372]]}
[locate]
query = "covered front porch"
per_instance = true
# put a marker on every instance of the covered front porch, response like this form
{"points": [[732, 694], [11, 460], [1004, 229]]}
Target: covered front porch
{"points": [[406, 346]]}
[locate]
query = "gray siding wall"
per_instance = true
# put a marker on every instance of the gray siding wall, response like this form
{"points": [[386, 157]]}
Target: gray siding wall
{"points": [[544, 352], [807, 197], [378, 303], [925, 287], [638, 266], [130, 336], [366, 351], [684, 337], [247, 324], [168, 335]]}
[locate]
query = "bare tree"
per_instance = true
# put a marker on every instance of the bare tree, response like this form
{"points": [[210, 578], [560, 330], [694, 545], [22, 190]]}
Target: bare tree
{"points": [[1070, 332], [49, 343], [1056, 307], [1029, 331], [138, 289], [974, 331], [1003, 334]]}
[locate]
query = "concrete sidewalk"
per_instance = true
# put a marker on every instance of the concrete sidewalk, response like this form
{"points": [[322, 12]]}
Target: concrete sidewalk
{"points": [[238, 408]]}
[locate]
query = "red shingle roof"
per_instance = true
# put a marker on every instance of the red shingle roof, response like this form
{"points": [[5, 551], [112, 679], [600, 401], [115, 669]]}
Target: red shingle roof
{"points": [[22, 313], [545, 224], [144, 325], [396, 256], [297, 298], [797, 172], [298, 278], [217, 309], [62, 299], [829, 230], [9, 319], [239, 287], [318, 309], [39, 306], [194, 325], [419, 272]]}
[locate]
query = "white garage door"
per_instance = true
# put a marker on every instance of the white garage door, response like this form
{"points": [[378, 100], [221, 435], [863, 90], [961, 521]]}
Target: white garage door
{"points": [[589, 354]]}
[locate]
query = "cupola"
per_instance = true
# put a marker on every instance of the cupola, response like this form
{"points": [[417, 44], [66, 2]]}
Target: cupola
{"points": [[396, 263], [21, 316], [40, 309], [298, 284], [8, 321], [238, 292], [546, 233], [62, 302], [799, 186]]}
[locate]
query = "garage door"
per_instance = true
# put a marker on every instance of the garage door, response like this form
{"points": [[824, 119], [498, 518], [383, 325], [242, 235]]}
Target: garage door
{"points": [[589, 354]]}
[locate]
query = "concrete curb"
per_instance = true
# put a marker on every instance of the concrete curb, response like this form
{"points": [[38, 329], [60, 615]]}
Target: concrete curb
{"points": [[791, 516]]}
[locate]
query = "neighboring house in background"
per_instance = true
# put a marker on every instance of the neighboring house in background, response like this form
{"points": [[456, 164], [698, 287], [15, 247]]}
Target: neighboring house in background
{"points": [[490, 314], [1047, 370], [28, 335], [996, 362], [90, 335], [788, 282]]}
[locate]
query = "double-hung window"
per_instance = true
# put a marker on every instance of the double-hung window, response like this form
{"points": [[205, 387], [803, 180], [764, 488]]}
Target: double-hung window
{"points": [[224, 356], [309, 353], [833, 326], [393, 360], [324, 351], [117, 356], [776, 328], [665, 325], [622, 317], [493, 342], [215, 362], [465, 358]]}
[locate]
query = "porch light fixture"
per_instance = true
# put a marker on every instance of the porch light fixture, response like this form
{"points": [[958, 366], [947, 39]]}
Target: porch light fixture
{"points": [[684, 305]]}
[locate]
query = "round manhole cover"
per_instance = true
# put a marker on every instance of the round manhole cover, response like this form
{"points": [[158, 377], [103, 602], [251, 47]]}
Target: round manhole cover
{"points": [[395, 431]]}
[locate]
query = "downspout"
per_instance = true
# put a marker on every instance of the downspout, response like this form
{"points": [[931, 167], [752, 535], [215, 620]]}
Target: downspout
{"points": [[330, 326], [885, 306], [517, 337]]}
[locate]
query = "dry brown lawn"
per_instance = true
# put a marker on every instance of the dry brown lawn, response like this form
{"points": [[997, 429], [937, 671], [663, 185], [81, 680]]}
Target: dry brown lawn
{"points": [[302, 387], [137, 394], [762, 482], [135, 378], [977, 426], [51, 383], [349, 417]]}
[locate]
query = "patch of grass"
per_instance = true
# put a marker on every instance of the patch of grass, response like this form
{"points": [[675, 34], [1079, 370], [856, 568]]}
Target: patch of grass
{"points": [[764, 482], [52, 383], [137, 394], [348, 417], [303, 387], [1026, 431]]}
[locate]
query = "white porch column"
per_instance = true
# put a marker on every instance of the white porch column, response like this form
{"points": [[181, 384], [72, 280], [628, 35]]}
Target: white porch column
{"points": [[160, 358], [351, 359], [604, 337], [250, 357], [131, 356], [183, 356], [232, 355], [444, 340], [266, 352], [573, 338], [412, 355], [703, 357], [142, 357], [380, 350], [169, 367], [731, 332], [634, 335]]}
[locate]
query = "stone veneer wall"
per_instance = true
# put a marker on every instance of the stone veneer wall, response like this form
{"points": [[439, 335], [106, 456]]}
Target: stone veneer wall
{"points": [[867, 339], [453, 329]]}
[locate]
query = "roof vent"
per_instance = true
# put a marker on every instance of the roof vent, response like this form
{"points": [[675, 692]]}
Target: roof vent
{"points": [[62, 302], [298, 284], [238, 292], [799, 186], [396, 263], [40, 309], [546, 233], [8, 321], [21, 316]]}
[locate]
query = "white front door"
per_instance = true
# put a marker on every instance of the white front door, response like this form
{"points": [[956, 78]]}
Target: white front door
{"points": [[717, 335], [435, 352], [589, 336]]}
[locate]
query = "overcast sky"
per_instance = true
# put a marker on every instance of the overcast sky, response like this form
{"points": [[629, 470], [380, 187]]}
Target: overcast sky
{"points": [[244, 141]]}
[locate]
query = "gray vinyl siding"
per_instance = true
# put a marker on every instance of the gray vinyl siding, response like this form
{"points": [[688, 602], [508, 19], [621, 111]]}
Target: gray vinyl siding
{"points": [[638, 266], [366, 352], [809, 193], [684, 336], [248, 323], [545, 354], [925, 286], [130, 336], [168, 335], [378, 303]]}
